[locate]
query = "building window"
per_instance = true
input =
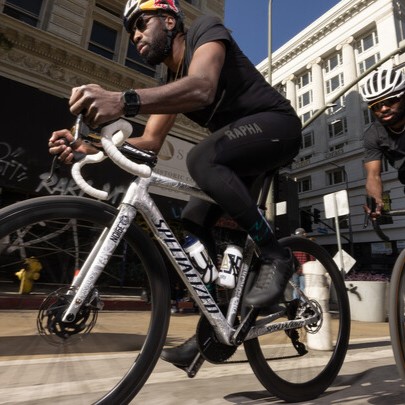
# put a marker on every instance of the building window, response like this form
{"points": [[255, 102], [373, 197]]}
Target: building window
{"points": [[305, 99], [336, 176], [334, 83], [367, 42], [24, 10], [307, 140], [306, 116], [304, 184], [135, 62], [304, 80], [333, 62], [337, 127], [369, 62], [103, 40]]}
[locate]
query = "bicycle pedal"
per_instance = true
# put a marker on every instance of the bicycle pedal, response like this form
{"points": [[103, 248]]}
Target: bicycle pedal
{"points": [[193, 368]]}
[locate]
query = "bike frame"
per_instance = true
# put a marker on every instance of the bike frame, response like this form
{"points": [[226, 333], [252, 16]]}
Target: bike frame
{"points": [[137, 198]]}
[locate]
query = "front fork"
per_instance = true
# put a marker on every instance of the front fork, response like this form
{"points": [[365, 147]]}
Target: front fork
{"points": [[98, 258]]}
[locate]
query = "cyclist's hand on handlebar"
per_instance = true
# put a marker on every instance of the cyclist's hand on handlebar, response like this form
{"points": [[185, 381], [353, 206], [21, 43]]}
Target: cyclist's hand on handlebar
{"points": [[60, 144], [372, 208], [99, 105]]}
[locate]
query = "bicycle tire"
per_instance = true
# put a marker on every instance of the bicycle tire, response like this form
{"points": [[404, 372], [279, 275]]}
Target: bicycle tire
{"points": [[396, 313], [124, 346], [279, 367]]}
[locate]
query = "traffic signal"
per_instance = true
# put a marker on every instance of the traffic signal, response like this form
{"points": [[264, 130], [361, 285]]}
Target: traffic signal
{"points": [[306, 219], [317, 216]]}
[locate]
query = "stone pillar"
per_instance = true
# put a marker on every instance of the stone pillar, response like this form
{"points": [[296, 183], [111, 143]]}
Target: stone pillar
{"points": [[290, 90], [317, 83], [353, 99], [318, 96]]}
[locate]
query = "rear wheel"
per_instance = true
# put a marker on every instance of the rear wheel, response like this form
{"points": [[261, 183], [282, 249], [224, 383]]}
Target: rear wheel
{"points": [[107, 355], [397, 313], [300, 364]]}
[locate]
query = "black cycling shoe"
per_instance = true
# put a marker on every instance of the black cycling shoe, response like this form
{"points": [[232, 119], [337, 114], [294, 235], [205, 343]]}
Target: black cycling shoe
{"points": [[181, 356], [271, 281]]}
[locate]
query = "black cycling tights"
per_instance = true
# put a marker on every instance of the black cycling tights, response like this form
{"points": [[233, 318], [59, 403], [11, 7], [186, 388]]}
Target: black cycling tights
{"points": [[226, 164]]}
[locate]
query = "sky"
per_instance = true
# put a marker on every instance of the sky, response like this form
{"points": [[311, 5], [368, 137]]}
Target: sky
{"points": [[248, 21]]}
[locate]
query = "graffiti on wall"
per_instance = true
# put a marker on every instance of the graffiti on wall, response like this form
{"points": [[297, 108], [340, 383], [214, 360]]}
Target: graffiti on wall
{"points": [[12, 167]]}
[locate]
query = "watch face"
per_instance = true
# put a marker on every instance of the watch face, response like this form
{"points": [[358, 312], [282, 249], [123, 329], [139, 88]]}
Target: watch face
{"points": [[131, 98], [131, 103]]}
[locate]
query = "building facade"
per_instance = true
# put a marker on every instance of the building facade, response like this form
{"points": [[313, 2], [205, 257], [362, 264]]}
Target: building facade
{"points": [[313, 69]]}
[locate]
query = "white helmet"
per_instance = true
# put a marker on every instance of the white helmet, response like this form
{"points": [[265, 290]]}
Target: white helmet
{"points": [[383, 82]]}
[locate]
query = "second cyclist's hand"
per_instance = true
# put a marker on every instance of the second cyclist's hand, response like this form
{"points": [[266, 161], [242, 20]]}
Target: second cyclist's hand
{"points": [[373, 209], [59, 145], [99, 105]]}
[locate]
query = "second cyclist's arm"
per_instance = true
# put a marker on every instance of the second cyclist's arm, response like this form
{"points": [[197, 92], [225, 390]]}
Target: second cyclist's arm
{"points": [[374, 186]]}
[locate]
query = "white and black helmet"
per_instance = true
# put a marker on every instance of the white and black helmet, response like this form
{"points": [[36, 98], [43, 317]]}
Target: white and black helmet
{"points": [[382, 83]]}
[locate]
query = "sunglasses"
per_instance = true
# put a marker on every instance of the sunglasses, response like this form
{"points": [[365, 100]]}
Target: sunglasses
{"points": [[386, 102], [142, 22]]}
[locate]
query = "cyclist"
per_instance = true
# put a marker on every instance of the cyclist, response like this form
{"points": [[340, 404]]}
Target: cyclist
{"points": [[384, 91], [253, 129]]}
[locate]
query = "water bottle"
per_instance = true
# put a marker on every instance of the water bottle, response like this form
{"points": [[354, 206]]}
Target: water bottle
{"points": [[229, 270], [200, 259]]}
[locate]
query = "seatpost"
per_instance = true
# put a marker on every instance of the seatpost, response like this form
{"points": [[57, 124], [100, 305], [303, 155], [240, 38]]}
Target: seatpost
{"points": [[266, 197]]}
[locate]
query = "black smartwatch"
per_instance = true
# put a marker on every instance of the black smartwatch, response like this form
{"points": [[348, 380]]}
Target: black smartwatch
{"points": [[132, 103]]}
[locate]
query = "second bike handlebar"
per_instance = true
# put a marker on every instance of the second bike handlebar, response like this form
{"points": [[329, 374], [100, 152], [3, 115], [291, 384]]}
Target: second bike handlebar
{"points": [[376, 226]]}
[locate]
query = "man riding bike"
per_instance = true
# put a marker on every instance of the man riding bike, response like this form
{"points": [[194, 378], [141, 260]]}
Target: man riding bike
{"points": [[384, 91], [253, 129]]}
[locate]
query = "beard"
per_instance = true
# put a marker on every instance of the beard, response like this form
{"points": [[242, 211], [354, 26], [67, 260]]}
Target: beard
{"points": [[157, 50], [398, 115]]}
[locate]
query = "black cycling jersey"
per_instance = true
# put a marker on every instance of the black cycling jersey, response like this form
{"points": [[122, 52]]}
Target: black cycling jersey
{"points": [[242, 90], [380, 142]]}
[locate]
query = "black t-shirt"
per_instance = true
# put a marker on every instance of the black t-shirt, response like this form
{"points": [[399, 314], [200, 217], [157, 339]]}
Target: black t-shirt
{"points": [[242, 90], [379, 143]]}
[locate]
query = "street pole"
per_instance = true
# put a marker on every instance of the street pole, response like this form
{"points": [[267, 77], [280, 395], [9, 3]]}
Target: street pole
{"points": [[269, 44], [349, 216], [270, 201]]}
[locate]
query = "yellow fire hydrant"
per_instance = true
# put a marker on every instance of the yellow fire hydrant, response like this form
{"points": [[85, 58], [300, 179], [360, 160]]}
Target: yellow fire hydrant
{"points": [[29, 274]]}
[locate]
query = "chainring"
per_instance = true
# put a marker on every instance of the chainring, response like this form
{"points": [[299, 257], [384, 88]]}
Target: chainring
{"points": [[211, 348]]}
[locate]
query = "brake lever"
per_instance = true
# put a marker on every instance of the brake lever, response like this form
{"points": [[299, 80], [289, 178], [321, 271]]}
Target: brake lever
{"points": [[78, 129]]}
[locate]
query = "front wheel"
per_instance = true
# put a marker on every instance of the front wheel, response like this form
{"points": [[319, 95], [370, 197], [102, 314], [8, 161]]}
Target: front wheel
{"points": [[107, 355], [300, 364], [397, 313]]}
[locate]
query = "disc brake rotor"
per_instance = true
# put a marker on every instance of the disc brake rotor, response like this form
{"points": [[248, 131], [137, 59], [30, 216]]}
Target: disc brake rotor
{"points": [[49, 321]]}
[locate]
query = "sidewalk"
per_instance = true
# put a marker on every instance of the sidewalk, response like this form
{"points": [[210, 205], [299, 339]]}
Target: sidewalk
{"points": [[182, 325]]}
